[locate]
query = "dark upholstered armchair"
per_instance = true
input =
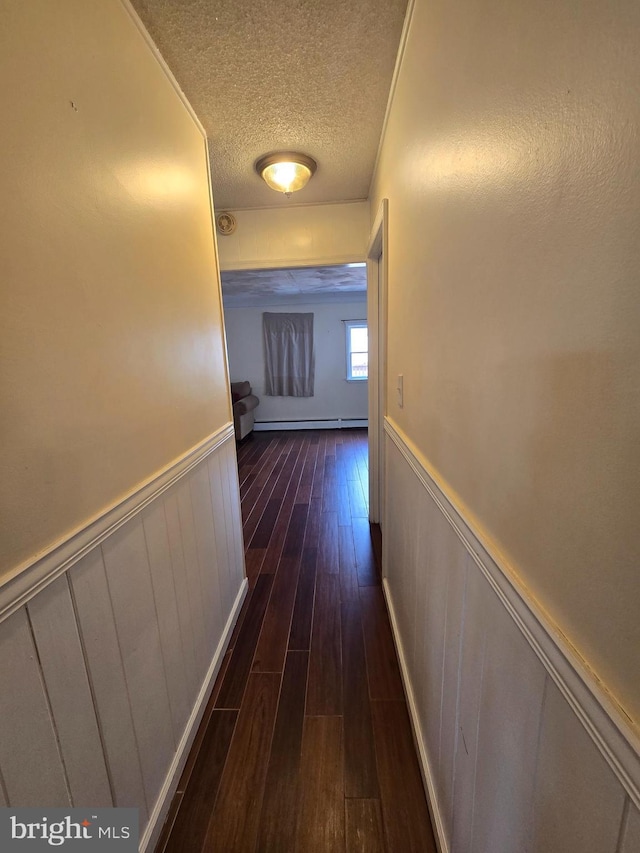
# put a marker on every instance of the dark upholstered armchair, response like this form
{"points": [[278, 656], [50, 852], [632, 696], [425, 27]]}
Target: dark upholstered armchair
{"points": [[244, 404]]}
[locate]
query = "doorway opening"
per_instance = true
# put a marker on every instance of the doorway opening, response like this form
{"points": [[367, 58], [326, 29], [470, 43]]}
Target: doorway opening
{"points": [[336, 296]]}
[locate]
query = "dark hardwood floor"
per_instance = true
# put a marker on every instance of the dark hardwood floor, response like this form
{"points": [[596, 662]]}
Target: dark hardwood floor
{"points": [[306, 743]]}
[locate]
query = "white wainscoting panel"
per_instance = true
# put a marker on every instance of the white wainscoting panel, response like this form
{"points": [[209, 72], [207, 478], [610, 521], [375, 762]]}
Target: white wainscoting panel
{"points": [[513, 683], [32, 768], [228, 470], [456, 585], [477, 607], [216, 482], [510, 763], [131, 593], [105, 669], [235, 509], [184, 596], [225, 500], [104, 662], [578, 805], [204, 527], [166, 603], [64, 672], [194, 581]]}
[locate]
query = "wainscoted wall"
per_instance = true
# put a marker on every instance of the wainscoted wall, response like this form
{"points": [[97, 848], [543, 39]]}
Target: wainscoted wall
{"points": [[121, 566], [106, 665], [520, 750]]}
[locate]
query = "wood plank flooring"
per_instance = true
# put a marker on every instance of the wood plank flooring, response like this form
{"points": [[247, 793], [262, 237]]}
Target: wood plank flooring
{"points": [[306, 744]]}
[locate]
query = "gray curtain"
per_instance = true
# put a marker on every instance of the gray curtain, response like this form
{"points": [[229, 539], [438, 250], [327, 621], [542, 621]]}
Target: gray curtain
{"points": [[288, 354]]}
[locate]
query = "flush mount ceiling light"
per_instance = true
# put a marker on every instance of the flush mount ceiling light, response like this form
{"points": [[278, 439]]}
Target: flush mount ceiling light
{"points": [[287, 171]]}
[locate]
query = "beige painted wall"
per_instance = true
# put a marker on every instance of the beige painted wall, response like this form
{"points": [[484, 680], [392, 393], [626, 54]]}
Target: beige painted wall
{"points": [[511, 166], [113, 359], [304, 235]]}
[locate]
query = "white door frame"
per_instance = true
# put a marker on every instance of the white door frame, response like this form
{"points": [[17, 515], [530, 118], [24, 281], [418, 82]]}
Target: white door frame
{"points": [[377, 277]]}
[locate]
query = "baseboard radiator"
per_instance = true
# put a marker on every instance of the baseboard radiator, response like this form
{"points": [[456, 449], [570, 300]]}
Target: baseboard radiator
{"points": [[327, 423]]}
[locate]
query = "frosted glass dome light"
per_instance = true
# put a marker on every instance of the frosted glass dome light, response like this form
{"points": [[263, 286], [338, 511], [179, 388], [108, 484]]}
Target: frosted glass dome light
{"points": [[286, 172]]}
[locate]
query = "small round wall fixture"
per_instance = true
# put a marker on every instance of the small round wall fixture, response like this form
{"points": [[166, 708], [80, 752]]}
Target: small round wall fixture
{"points": [[286, 171], [226, 223]]}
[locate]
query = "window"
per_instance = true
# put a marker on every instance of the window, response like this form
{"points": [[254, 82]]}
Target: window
{"points": [[357, 349]]}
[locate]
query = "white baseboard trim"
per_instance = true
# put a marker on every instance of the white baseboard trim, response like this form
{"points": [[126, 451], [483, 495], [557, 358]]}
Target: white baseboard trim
{"points": [[334, 423], [31, 577], [156, 820], [605, 722], [423, 758]]}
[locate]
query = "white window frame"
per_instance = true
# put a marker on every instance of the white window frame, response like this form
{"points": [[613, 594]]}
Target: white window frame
{"points": [[348, 325]]}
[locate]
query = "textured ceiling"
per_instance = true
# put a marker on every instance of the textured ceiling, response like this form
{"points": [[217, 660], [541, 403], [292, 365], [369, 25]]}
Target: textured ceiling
{"points": [[268, 284], [268, 75]]}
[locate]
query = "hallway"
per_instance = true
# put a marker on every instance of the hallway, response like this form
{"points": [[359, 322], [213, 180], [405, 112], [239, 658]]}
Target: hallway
{"points": [[306, 743]]}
